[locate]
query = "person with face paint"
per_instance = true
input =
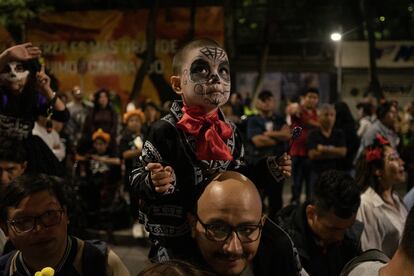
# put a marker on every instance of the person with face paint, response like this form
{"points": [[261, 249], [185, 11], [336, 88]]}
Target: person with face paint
{"points": [[190, 145], [25, 93], [379, 170]]}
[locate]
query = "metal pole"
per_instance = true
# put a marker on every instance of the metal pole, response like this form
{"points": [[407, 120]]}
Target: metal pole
{"points": [[339, 68]]}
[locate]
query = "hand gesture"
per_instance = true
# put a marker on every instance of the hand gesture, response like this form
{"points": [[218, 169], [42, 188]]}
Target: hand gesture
{"points": [[43, 82], [22, 52], [161, 177], [285, 164], [293, 109]]}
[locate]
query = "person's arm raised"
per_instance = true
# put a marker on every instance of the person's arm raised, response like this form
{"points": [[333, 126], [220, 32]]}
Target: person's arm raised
{"points": [[21, 52], [43, 82]]}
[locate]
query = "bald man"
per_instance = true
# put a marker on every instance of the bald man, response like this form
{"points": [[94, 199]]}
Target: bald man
{"points": [[230, 230]]}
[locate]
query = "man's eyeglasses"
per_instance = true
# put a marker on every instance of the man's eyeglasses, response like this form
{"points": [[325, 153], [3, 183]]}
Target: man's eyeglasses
{"points": [[26, 224], [221, 232]]}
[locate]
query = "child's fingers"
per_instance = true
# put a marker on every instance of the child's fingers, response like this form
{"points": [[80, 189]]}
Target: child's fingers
{"points": [[162, 177], [162, 182], [162, 189], [154, 167], [169, 169]]}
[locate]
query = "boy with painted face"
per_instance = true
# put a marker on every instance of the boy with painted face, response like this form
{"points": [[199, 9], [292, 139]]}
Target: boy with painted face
{"points": [[189, 146]]}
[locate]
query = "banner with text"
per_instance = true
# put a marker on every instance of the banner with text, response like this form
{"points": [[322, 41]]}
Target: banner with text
{"points": [[96, 49], [389, 54]]}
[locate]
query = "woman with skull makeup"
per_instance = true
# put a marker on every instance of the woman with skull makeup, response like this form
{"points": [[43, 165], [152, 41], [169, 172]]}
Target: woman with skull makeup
{"points": [[190, 145], [25, 94]]}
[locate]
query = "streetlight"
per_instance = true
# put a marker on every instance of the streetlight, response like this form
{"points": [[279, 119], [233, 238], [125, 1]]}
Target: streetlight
{"points": [[337, 38]]}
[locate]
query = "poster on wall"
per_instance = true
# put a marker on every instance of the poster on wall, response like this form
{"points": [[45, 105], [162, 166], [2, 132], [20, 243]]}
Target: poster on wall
{"points": [[396, 87], [96, 49]]}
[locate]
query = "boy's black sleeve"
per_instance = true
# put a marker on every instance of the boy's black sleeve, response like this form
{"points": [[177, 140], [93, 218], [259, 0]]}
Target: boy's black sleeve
{"points": [[156, 149]]}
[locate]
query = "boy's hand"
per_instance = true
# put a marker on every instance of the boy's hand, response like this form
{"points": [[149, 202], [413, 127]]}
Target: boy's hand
{"points": [[285, 164], [161, 177], [22, 52]]}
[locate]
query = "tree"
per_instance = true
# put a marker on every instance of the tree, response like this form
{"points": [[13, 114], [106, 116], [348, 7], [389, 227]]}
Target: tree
{"points": [[264, 53], [374, 84], [15, 13], [149, 54]]}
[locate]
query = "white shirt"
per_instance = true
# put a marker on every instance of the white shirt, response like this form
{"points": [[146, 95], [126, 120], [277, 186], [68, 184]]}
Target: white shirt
{"points": [[364, 124], [367, 269], [52, 140], [3, 240], [383, 223]]}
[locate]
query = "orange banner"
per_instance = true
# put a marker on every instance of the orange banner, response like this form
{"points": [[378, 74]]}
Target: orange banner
{"points": [[98, 49]]}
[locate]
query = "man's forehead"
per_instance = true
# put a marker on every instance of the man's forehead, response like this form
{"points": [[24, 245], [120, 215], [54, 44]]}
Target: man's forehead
{"points": [[4, 164], [25, 210], [40, 198], [229, 198]]}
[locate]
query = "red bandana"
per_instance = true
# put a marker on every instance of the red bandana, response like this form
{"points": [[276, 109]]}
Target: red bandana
{"points": [[210, 133]]}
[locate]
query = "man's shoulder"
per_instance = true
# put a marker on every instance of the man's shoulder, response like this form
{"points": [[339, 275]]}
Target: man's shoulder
{"points": [[5, 261], [353, 234], [273, 233], [287, 218], [166, 124], [91, 252], [292, 219], [255, 119], [276, 254]]}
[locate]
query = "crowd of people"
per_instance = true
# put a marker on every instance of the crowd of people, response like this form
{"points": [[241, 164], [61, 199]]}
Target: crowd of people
{"points": [[202, 181]]}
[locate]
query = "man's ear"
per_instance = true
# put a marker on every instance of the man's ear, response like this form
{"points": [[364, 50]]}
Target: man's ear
{"points": [[176, 84], [4, 227], [263, 219], [24, 166], [192, 221], [310, 214]]}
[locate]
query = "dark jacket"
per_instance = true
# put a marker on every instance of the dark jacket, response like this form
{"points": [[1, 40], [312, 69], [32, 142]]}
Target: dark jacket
{"points": [[315, 262], [91, 256], [276, 254]]}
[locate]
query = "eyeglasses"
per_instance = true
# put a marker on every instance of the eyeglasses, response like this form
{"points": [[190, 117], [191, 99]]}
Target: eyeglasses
{"points": [[221, 232], [26, 224]]}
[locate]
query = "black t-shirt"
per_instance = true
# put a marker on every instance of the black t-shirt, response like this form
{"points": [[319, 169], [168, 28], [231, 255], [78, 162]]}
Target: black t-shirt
{"points": [[257, 125], [337, 139]]}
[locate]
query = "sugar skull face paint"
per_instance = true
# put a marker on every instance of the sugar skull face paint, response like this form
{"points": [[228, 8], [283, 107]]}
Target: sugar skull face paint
{"points": [[206, 78], [14, 76]]}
